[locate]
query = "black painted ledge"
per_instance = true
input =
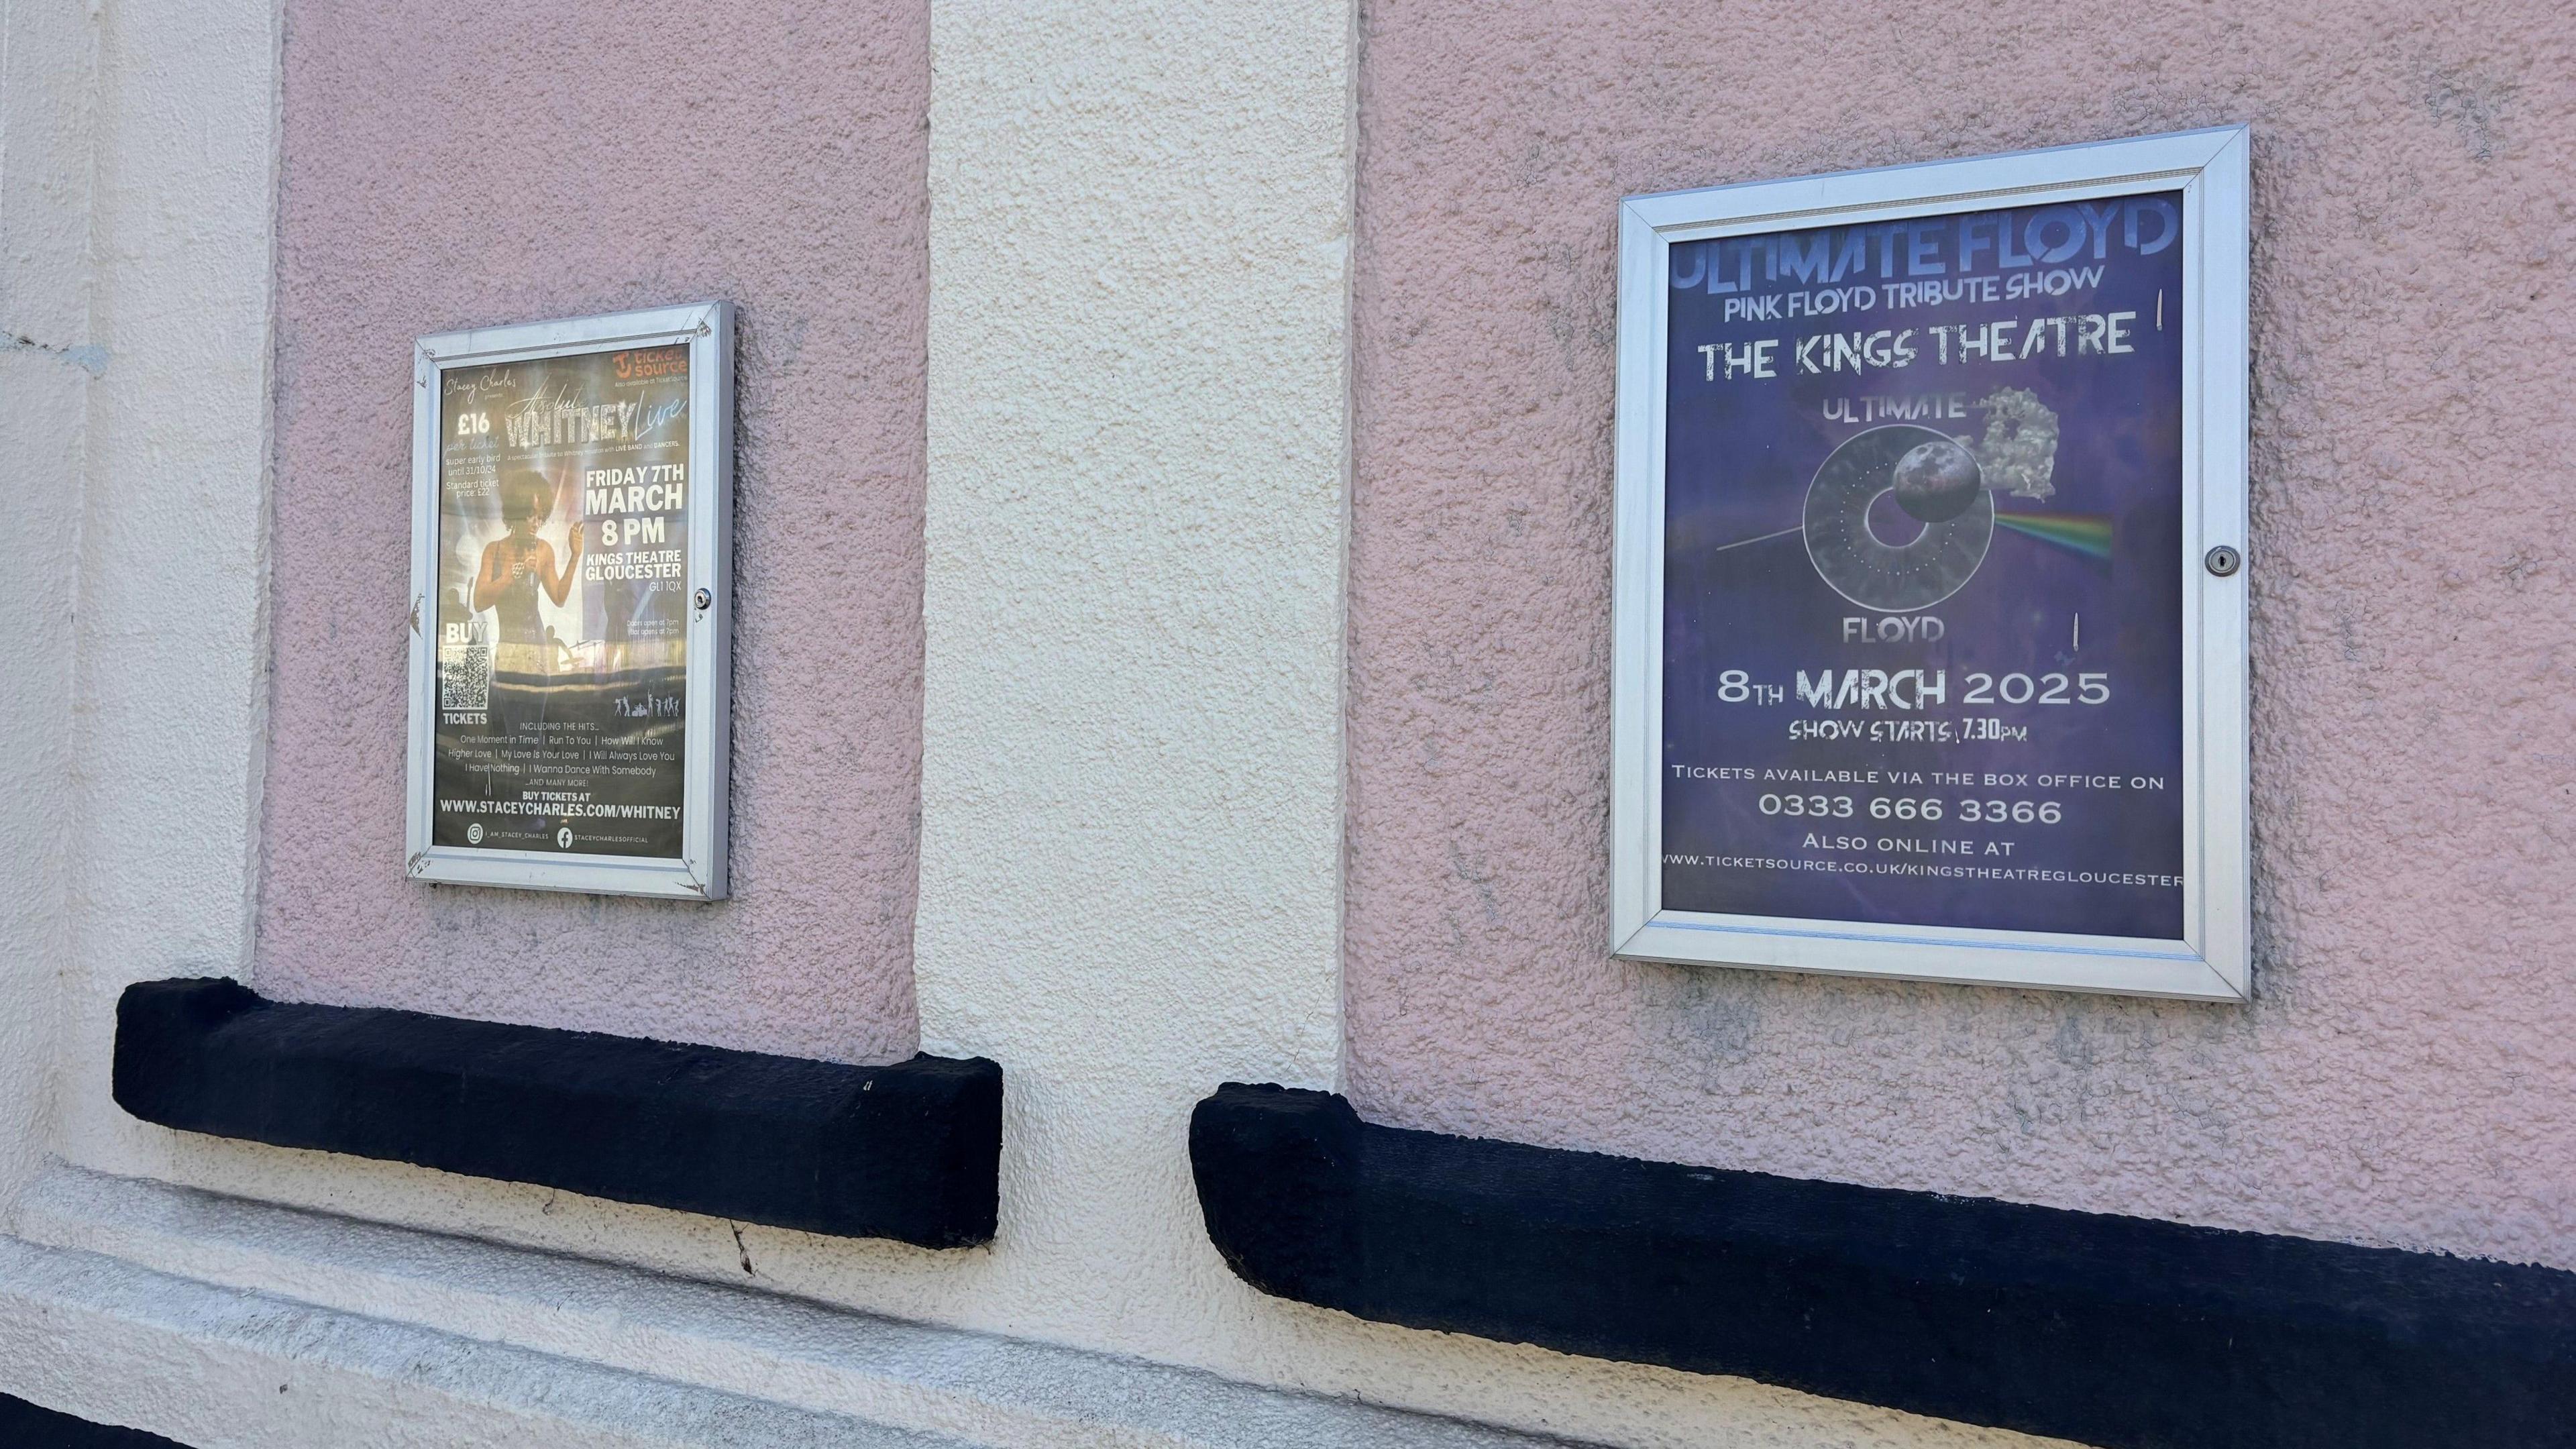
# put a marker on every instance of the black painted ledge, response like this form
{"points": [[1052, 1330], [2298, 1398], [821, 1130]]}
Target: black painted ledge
{"points": [[33, 1426], [910, 1151], [2107, 1330]]}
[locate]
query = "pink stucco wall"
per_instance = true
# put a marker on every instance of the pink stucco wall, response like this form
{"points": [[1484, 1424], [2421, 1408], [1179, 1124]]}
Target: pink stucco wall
{"points": [[483, 162], [2408, 1074]]}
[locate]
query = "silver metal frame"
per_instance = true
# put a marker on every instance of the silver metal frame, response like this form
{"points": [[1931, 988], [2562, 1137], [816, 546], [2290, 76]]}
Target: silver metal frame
{"points": [[2212, 960], [706, 329]]}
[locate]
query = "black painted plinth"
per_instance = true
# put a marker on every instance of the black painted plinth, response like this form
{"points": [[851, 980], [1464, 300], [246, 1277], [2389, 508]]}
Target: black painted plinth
{"points": [[32, 1426], [2107, 1330], [909, 1151]]}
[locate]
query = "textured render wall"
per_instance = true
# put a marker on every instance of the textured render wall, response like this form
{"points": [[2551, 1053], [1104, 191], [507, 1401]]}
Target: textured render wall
{"points": [[482, 164], [1133, 883], [1169, 180], [1132, 767], [2406, 1075]]}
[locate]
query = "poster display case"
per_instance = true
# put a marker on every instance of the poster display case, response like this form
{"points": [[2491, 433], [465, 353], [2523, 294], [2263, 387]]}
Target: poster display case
{"points": [[1930, 602], [570, 666]]}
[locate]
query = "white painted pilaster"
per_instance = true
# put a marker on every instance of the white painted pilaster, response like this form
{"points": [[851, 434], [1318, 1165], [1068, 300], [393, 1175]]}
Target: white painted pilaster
{"points": [[137, 166], [169, 672], [48, 365], [1132, 761]]}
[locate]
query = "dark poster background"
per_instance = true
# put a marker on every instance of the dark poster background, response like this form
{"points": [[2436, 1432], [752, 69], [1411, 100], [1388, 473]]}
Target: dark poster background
{"points": [[561, 722], [2078, 577]]}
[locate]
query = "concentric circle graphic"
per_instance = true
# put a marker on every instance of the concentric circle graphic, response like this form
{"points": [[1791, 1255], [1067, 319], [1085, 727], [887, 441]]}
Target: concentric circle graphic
{"points": [[1898, 578]]}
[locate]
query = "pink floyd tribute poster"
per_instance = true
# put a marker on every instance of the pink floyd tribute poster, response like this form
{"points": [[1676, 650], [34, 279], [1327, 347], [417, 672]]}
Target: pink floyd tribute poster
{"points": [[562, 610], [1922, 631]]}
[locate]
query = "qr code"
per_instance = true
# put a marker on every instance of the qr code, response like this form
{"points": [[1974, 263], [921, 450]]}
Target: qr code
{"points": [[465, 676]]}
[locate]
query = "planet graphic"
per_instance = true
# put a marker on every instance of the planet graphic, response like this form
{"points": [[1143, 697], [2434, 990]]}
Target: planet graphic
{"points": [[1898, 578], [1936, 481]]}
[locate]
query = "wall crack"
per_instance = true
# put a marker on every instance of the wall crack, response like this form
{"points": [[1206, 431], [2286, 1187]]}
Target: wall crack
{"points": [[89, 359]]}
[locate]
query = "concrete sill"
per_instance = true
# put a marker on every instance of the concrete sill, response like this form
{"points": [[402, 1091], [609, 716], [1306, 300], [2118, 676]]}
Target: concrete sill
{"points": [[220, 1321], [910, 1151], [2108, 1330]]}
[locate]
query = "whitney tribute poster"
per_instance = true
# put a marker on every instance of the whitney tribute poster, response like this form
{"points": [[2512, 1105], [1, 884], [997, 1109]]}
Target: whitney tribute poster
{"points": [[562, 608], [1922, 590]]}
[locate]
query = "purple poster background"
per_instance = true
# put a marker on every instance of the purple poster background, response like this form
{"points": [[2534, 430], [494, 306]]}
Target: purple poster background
{"points": [[1922, 608]]}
